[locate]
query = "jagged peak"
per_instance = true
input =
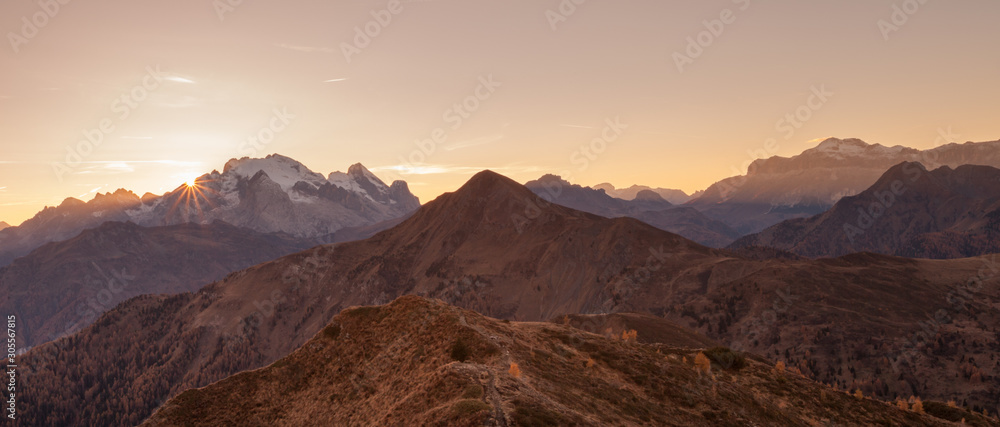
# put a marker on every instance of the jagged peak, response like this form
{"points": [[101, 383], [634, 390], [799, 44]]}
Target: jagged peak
{"points": [[358, 169], [119, 193], [830, 143], [649, 195], [71, 201]]}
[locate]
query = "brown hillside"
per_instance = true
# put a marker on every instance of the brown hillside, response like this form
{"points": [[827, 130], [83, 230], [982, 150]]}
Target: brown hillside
{"points": [[421, 362]]}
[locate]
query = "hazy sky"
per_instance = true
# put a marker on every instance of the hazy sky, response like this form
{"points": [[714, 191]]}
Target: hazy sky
{"points": [[533, 84]]}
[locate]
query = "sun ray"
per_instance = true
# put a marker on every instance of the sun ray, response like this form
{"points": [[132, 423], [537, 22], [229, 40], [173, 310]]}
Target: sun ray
{"points": [[189, 202]]}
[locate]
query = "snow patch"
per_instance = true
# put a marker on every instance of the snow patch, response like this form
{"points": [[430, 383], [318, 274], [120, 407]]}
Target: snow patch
{"points": [[282, 170]]}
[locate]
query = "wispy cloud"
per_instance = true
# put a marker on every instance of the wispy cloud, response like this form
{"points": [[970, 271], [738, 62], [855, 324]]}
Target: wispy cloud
{"points": [[89, 192], [125, 166], [474, 142], [334, 80], [137, 137], [306, 49], [578, 126], [179, 79]]}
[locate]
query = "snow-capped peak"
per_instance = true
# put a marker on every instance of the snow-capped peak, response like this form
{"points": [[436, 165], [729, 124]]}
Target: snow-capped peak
{"points": [[284, 171], [359, 180], [852, 147], [359, 170]]}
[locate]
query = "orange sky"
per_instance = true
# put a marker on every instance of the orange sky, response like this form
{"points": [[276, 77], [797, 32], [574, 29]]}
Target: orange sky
{"points": [[540, 86]]}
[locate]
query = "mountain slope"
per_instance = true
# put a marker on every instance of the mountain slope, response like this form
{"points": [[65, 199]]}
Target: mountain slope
{"points": [[495, 247], [944, 213], [55, 224], [62, 287], [778, 188], [421, 362], [646, 206], [4, 225], [274, 194]]}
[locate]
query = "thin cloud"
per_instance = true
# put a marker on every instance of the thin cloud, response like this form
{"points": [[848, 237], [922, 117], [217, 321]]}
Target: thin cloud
{"points": [[89, 192], [179, 79], [334, 80]]}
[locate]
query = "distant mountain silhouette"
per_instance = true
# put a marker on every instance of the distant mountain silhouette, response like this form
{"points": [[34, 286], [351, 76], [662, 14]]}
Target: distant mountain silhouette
{"points": [[912, 212], [780, 188], [671, 195], [647, 206]]}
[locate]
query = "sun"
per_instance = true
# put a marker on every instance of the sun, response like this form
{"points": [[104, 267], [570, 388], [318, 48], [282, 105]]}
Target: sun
{"points": [[191, 182]]}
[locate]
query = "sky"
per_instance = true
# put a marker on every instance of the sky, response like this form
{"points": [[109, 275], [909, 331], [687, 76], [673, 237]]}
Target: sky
{"points": [[145, 95]]}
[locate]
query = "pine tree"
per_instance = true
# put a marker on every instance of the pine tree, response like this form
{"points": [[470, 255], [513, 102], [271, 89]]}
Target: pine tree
{"points": [[702, 364]]}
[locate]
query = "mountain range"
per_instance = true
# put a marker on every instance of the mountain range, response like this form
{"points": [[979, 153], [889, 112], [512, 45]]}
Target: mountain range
{"points": [[780, 188], [274, 194], [647, 206], [910, 211], [493, 246], [673, 196], [421, 362], [63, 287]]}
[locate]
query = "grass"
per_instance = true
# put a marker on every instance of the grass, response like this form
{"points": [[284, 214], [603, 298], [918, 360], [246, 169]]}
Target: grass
{"points": [[470, 406], [332, 331], [726, 359], [474, 391], [532, 415], [460, 350]]}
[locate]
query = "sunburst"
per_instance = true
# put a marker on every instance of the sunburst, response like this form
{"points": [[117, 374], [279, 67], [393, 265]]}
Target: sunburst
{"points": [[189, 202]]}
